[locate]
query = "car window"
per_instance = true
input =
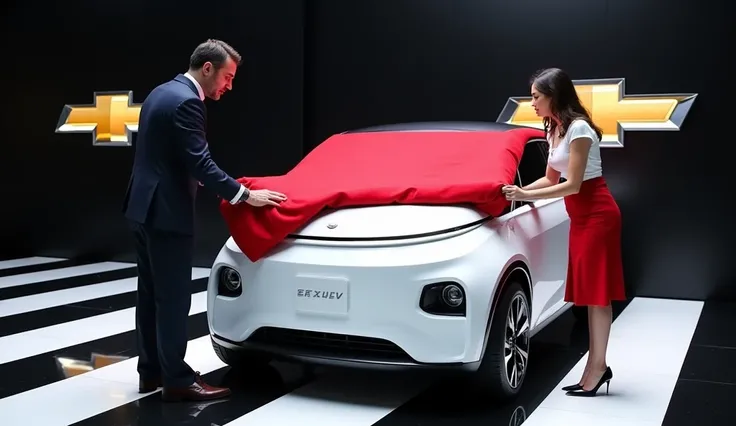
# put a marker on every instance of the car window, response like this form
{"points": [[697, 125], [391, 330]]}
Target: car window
{"points": [[533, 164]]}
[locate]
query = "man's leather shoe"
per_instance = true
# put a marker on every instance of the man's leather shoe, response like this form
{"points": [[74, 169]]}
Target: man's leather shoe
{"points": [[145, 386], [197, 391]]}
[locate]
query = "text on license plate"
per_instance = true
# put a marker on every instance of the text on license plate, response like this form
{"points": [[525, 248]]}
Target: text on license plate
{"points": [[321, 295]]}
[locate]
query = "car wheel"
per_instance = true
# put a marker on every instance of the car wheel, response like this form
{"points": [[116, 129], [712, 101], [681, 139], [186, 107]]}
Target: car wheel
{"points": [[506, 358], [239, 357]]}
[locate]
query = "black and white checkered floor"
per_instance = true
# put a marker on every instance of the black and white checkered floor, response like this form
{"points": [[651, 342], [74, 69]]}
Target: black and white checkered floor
{"points": [[67, 356]]}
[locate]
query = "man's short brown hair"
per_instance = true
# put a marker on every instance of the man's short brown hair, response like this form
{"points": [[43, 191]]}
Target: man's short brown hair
{"points": [[215, 51]]}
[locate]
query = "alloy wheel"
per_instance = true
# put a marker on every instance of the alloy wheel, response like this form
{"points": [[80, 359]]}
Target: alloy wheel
{"points": [[516, 341]]}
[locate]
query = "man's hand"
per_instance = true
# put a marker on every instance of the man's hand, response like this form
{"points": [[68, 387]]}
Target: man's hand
{"points": [[265, 197]]}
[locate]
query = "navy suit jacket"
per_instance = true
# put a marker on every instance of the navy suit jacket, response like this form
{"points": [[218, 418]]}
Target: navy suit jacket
{"points": [[171, 158]]}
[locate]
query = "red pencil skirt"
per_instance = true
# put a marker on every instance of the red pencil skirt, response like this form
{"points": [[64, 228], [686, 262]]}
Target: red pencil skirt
{"points": [[595, 273]]}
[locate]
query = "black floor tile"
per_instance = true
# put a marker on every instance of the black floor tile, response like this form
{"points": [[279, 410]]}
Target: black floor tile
{"points": [[65, 283], [698, 403], [716, 325], [20, 323], [710, 363], [42, 267]]}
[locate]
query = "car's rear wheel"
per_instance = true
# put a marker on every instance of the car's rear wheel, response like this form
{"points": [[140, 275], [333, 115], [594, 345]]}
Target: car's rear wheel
{"points": [[239, 357], [504, 365]]}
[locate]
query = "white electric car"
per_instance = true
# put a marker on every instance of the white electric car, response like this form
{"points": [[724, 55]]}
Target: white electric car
{"points": [[402, 285]]}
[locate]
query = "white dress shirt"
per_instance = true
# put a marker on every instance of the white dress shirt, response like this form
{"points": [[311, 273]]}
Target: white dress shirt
{"points": [[201, 97]]}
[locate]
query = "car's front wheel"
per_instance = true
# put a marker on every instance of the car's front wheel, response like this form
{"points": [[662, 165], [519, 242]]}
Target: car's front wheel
{"points": [[239, 358], [504, 365]]}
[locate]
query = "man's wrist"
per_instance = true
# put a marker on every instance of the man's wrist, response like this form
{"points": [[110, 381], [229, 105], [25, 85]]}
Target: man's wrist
{"points": [[241, 196], [246, 195]]}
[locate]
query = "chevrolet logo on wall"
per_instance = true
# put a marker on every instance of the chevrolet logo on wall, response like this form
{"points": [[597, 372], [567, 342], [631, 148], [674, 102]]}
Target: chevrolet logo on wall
{"points": [[612, 110], [111, 119]]}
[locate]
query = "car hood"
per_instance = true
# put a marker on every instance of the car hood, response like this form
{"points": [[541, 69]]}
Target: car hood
{"points": [[388, 222]]}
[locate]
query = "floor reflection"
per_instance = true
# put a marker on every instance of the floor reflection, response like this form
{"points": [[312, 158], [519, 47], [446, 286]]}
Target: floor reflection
{"points": [[69, 367], [518, 416]]}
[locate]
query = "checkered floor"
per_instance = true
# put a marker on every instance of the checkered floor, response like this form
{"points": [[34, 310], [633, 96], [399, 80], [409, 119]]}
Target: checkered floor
{"points": [[67, 356]]}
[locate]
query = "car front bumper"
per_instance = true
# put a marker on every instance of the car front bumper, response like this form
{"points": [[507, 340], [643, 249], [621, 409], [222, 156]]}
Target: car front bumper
{"points": [[380, 321]]}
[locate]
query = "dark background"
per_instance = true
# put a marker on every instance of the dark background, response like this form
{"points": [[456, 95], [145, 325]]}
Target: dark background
{"points": [[316, 67]]}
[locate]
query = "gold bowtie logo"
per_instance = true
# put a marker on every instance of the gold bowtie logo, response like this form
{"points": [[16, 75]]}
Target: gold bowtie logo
{"points": [[111, 119], [612, 110]]}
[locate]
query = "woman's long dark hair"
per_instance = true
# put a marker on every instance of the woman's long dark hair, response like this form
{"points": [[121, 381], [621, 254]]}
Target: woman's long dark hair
{"points": [[565, 103]]}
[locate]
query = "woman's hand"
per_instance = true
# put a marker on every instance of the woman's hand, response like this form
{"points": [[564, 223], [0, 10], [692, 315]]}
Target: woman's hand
{"points": [[514, 193]]}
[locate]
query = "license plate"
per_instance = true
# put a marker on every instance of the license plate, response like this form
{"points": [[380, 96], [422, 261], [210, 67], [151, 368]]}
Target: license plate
{"points": [[321, 295]]}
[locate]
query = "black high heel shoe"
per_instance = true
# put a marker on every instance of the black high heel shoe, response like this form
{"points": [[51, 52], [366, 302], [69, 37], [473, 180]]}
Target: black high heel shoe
{"points": [[572, 387], [606, 378]]}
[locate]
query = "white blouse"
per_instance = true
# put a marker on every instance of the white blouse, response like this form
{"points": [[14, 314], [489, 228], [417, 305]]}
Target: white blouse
{"points": [[559, 157]]}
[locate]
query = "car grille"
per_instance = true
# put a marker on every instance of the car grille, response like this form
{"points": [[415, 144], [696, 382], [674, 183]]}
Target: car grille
{"points": [[300, 342]]}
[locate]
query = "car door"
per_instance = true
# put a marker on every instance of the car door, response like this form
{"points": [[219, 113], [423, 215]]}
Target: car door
{"points": [[541, 229]]}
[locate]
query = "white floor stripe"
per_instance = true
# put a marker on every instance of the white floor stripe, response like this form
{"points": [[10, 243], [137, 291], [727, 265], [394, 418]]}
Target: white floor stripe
{"points": [[353, 399], [42, 340], [27, 261], [77, 294], [80, 397], [55, 274], [648, 345]]}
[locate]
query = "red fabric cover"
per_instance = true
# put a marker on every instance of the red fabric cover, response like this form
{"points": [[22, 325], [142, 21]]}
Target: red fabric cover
{"points": [[380, 168]]}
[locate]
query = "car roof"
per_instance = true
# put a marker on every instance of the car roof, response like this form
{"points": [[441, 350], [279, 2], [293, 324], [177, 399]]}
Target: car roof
{"points": [[444, 126]]}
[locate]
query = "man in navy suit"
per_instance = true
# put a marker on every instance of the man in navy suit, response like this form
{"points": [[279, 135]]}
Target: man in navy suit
{"points": [[171, 160]]}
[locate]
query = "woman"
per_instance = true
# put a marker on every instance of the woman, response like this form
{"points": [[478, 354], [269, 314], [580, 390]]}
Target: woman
{"points": [[595, 272]]}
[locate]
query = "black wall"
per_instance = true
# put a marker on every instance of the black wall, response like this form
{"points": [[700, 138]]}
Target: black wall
{"points": [[61, 195], [316, 67]]}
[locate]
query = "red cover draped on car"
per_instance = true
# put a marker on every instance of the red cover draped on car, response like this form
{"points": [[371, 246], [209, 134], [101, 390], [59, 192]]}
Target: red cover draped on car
{"points": [[380, 168]]}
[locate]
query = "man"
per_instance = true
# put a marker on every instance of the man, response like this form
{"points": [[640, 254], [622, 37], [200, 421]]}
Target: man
{"points": [[171, 160]]}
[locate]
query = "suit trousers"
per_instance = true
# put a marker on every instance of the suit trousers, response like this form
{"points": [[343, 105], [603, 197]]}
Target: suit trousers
{"points": [[164, 298]]}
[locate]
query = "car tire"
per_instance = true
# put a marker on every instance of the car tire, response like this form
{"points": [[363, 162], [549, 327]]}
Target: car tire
{"points": [[239, 357], [495, 376]]}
